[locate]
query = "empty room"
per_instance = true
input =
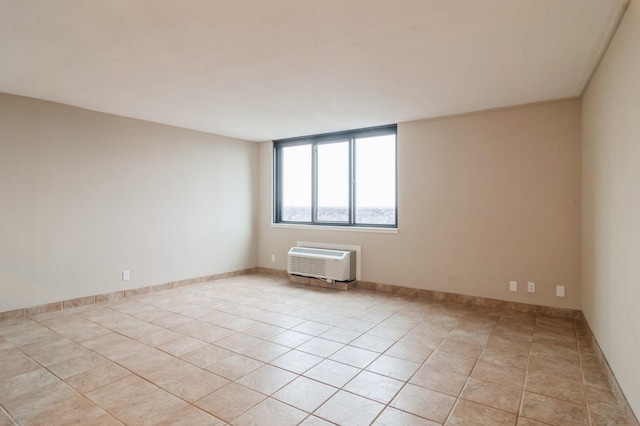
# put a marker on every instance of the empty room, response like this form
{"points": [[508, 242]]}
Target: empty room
{"points": [[336, 212]]}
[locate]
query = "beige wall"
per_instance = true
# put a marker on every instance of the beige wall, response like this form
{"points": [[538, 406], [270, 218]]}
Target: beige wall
{"points": [[611, 205], [85, 195], [483, 199]]}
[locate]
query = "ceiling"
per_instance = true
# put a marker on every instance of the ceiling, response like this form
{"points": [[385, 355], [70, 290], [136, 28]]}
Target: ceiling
{"points": [[269, 69]]}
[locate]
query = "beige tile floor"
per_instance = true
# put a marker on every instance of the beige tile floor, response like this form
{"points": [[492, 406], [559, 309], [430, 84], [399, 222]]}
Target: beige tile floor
{"points": [[259, 350]]}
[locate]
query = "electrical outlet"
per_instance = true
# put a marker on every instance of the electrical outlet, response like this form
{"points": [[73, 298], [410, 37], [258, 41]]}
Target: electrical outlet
{"points": [[273, 257], [531, 287], [513, 285], [125, 275], [560, 290]]}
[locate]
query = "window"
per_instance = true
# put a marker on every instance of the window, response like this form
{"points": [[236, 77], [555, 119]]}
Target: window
{"points": [[344, 179]]}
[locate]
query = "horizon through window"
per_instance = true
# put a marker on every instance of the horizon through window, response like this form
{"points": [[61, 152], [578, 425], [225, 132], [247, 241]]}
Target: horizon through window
{"points": [[346, 178]]}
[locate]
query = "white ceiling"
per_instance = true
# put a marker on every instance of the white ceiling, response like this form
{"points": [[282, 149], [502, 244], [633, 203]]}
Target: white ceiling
{"points": [[268, 69]]}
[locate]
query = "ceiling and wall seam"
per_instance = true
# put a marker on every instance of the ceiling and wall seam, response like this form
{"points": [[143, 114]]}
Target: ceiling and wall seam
{"points": [[504, 108], [605, 46], [284, 68]]}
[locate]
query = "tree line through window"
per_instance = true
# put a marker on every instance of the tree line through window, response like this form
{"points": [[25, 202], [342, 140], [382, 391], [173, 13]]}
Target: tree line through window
{"points": [[346, 178]]}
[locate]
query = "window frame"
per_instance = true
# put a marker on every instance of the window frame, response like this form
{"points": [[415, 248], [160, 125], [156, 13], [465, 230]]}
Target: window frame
{"points": [[314, 140]]}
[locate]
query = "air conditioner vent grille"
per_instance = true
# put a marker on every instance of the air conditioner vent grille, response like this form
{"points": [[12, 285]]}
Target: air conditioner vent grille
{"points": [[336, 265], [318, 252]]}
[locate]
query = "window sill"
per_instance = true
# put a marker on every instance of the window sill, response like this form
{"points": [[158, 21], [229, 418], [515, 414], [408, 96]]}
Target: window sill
{"points": [[336, 228]]}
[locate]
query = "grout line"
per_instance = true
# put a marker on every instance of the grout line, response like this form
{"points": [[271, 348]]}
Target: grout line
{"points": [[438, 307], [6, 412]]}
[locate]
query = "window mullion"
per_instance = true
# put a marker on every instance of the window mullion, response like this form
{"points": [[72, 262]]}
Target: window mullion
{"points": [[277, 159], [352, 181], [314, 183]]}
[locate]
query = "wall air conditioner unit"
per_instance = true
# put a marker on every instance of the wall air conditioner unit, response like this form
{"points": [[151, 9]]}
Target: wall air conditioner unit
{"points": [[337, 265]]}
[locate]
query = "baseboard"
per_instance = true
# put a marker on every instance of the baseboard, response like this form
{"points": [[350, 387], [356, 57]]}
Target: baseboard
{"points": [[584, 331], [103, 298], [586, 336], [471, 300], [269, 271], [336, 285]]}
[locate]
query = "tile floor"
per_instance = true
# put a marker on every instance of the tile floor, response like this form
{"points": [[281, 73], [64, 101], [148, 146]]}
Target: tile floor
{"points": [[259, 350]]}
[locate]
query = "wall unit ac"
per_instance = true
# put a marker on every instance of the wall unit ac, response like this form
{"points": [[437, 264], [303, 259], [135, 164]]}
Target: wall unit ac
{"points": [[337, 265]]}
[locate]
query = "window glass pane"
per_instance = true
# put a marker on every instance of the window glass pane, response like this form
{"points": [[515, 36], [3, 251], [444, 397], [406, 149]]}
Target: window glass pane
{"points": [[296, 183], [333, 182], [375, 191], [347, 178]]}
